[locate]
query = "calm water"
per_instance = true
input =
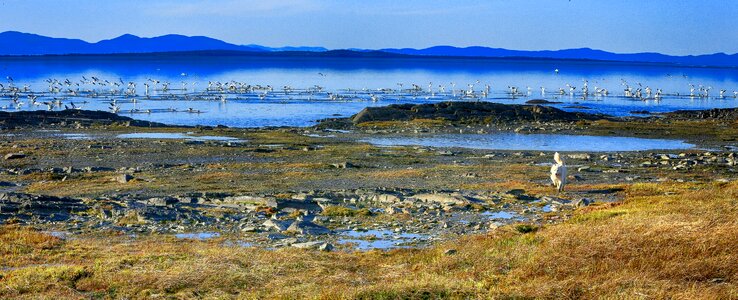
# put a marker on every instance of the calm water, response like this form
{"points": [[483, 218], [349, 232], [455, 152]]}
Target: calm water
{"points": [[177, 135], [538, 142], [353, 82]]}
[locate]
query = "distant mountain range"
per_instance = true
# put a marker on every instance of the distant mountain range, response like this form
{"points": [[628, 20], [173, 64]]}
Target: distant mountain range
{"points": [[13, 43]]}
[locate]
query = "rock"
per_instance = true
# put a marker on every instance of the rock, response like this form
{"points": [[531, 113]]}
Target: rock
{"points": [[124, 178], [307, 227], [14, 156], [387, 198], [326, 247], [278, 225], [307, 245], [583, 202], [541, 101], [343, 165], [251, 200], [316, 245], [250, 229], [449, 252], [393, 210], [469, 112], [443, 199], [445, 153], [161, 201], [276, 236], [580, 156]]}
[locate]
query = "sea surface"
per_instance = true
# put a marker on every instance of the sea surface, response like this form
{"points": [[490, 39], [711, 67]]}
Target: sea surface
{"points": [[298, 91]]}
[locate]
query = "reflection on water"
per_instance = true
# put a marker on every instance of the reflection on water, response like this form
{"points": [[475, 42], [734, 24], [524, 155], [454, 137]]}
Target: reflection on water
{"points": [[197, 235], [356, 80], [505, 215], [538, 142], [176, 135], [379, 239]]}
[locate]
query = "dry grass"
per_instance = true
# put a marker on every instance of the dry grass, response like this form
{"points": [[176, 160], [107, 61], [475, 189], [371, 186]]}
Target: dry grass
{"points": [[664, 241]]}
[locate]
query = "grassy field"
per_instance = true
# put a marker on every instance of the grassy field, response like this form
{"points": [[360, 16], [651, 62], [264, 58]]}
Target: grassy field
{"points": [[665, 240]]}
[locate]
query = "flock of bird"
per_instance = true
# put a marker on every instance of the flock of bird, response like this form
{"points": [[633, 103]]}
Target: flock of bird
{"points": [[62, 93]]}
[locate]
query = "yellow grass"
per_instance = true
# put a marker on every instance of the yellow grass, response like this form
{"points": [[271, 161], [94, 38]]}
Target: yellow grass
{"points": [[663, 241]]}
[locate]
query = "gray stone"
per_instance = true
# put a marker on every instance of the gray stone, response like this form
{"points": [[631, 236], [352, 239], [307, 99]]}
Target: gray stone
{"points": [[278, 225], [583, 202], [307, 227], [316, 245], [580, 156], [387, 198], [124, 178], [14, 156], [343, 165], [444, 199], [326, 247]]}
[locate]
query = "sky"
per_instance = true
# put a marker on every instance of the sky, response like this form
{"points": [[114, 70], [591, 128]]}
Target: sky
{"points": [[677, 27]]}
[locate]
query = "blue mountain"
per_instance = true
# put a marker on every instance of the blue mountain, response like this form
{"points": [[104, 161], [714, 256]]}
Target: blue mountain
{"points": [[717, 59], [18, 43]]}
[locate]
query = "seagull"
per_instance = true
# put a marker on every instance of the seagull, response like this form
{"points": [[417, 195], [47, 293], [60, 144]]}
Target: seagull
{"points": [[558, 173]]}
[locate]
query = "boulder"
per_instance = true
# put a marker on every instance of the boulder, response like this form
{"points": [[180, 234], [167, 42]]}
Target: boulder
{"points": [[307, 227], [279, 225]]}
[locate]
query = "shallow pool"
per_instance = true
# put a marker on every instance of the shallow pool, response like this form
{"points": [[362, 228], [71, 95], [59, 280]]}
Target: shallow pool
{"points": [[177, 135], [538, 142]]}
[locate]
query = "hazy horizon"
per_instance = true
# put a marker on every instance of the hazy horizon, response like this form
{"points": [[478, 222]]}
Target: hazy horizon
{"points": [[668, 27]]}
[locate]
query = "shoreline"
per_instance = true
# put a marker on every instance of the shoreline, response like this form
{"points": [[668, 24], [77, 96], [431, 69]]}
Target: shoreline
{"points": [[281, 195]]}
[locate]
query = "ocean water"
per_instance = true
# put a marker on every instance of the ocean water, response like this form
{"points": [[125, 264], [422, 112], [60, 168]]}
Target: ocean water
{"points": [[323, 87]]}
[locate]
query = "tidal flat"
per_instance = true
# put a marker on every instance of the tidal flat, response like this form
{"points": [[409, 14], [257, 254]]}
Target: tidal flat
{"points": [[103, 207]]}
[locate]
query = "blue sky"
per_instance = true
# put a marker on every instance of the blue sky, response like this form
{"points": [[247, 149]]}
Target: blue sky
{"points": [[625, 26]]}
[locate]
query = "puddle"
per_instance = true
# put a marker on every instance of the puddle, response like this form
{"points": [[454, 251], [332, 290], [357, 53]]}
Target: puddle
{"points": [[178, 135], [379, 239], [505, 215], [315, 135], [338, 130], [532, 142], [75, 136], [197, 235], [238, 244], [58, 234]]}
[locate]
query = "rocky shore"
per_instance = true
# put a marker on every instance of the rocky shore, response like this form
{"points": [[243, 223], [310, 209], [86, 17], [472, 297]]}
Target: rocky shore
{"points": [[315, 187]]}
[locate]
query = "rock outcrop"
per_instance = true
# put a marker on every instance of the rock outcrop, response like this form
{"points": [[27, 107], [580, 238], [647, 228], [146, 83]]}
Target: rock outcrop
{"points": [[67, 117], [470, 112]]}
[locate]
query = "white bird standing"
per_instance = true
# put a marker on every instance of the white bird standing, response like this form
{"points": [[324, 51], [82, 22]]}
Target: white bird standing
{"points": [[558, 173]]}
